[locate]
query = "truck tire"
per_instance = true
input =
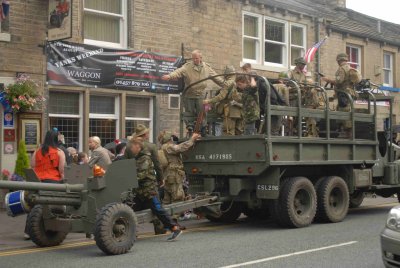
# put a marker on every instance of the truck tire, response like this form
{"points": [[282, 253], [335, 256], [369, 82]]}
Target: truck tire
{"points": [[115, 229], [230, 212], [36, 230], [333, 200], [297, 203], [356, 199]]}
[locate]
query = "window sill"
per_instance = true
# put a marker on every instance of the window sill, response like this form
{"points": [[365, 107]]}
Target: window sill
{"points": [[266, 68], [5, 37]]}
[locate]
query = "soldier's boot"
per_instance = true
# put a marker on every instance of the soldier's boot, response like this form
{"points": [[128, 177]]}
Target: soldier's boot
{"points": [[158, 227]]}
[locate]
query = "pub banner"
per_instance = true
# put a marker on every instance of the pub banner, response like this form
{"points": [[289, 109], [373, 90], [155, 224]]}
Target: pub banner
{"points": [[83, 65]]}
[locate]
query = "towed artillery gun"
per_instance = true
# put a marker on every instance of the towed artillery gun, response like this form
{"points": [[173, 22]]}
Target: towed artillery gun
{"points": [[99, 206]]}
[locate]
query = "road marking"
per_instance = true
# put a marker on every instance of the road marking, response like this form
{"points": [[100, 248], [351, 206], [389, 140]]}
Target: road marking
{"points": [[289, 255], [91, 242]]}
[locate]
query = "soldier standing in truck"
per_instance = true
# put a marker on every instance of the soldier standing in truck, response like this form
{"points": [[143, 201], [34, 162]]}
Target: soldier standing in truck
{"points": [[346, 78], [192, 72]]}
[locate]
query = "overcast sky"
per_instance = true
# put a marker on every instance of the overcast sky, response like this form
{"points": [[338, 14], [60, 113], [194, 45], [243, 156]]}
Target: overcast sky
{"points": [[383, 9]]}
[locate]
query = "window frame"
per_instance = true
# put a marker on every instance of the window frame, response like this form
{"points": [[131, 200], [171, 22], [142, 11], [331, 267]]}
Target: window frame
{"points": [[260, 62], [169, 101], [390, 84], [78, 116], [115, 116], [259, 39], [359, 58], [150, 119], [123, 26]]}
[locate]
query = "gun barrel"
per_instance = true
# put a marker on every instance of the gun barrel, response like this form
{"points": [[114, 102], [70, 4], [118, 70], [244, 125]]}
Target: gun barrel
{"points": [[35, 186]]}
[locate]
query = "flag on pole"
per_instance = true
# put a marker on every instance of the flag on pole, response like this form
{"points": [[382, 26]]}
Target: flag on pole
{"points": [[309, 56], [4, 9]]}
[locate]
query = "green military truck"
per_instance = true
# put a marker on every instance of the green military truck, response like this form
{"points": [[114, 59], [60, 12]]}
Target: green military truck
{"points": [[295, 179]]}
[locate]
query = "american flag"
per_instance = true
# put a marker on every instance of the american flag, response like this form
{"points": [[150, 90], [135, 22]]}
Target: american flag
{"points": [[4, 9], [309, 56]]}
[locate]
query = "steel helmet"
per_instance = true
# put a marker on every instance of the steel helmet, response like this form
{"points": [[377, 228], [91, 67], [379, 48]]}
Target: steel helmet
{"points": [[342, 56], [300, 61], [229, 69], [283, 75]]}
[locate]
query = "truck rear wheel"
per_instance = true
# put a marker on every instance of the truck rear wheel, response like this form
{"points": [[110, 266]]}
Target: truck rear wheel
{"points": [[115, 229], [297, 202], [333, 199], [230, 212], [39, 235], [356, 199]]}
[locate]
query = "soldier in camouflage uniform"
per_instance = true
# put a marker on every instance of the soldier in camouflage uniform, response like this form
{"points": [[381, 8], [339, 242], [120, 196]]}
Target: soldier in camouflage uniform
{"points": [[174, 174], [284, 91], [192, 72], [142, 133], [230, 100], [251, 103], [346, 78], [146, 195]]}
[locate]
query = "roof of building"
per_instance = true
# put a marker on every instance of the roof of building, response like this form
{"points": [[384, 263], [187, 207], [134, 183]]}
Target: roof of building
{"points": [[342, 19]]}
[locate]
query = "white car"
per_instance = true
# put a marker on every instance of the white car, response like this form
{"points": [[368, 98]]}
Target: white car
{"points": [[390, 239]]}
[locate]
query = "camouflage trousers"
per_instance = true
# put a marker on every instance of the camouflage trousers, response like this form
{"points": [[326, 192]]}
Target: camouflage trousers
{"points": [[312, 130], [232, 126], [173, 188]]}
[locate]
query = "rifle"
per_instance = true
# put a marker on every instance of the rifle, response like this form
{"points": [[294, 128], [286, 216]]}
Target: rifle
{"points": [[200, 118]]}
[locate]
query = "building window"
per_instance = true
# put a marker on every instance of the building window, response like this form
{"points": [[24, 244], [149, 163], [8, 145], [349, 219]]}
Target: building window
{"points": [[139, 110], [283, 41], [388, 69], [65, 115], [174, 101], [354, 53], [105, 23], [103, 118]]}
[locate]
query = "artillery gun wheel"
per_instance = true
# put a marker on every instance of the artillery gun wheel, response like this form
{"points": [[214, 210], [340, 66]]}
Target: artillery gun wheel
{"points": [[115, 229], [230, 212], [356, 199], [333, 200], [297, 203], [39, 235]]}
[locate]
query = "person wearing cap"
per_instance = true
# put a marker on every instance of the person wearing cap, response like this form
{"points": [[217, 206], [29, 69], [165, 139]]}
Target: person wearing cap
{"points": [[100, 156], [142, 133], [146, 195], [174, 173], [346, 78], [229, 104], [192, 72]]}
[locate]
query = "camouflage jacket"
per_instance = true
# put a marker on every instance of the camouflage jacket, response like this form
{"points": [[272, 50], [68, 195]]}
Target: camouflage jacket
{"points": [[223, 94], [174, 151], [149, 148], [251, 104], [144, 166], [192, 73], [343, 79]]}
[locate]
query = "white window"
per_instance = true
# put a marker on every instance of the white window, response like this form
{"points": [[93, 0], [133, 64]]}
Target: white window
{"points": [[105, 23], [282, 41], [388, 69], [65, 113], [354, 53], [139, 110], [103, 118], [174, 101]]}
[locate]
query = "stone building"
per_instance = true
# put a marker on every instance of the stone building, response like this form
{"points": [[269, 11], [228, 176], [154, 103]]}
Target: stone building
{"points": [[268, 34]]}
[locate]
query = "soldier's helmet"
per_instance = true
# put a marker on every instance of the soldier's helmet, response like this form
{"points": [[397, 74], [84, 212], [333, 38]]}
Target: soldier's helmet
{"points": [[342, 56], [300, 61], [229, 69], [283, 75], [165, 137]]}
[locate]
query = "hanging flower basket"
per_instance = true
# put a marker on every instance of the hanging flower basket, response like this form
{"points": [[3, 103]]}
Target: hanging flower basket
{"points": [[22, 95]]}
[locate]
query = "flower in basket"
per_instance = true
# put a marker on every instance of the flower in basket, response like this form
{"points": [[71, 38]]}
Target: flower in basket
{"points": [[23, 95], [5, 174]]}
